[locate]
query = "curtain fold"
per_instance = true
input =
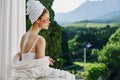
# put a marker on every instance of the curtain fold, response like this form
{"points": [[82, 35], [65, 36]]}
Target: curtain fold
{"points": [[12, 27]]}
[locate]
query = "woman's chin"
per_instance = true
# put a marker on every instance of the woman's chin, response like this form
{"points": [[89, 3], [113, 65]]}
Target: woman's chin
{"points": [[46, 28]]}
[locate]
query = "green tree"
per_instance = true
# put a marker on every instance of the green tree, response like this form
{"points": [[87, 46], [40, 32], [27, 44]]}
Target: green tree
{"points": [[95, 54], [110, 54], [66, 54], [78, 37]]}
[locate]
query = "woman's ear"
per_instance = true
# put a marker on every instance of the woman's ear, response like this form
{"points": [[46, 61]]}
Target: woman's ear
{"points": [[38, 21]]}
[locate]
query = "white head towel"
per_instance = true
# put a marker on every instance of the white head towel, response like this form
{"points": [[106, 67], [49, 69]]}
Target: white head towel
{"points": [[34, 10]]}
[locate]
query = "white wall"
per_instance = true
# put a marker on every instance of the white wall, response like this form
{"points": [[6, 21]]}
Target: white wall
{"points": [[12, 26]]}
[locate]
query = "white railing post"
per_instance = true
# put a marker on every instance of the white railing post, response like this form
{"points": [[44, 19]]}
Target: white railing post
{"points": [[12, 26]]}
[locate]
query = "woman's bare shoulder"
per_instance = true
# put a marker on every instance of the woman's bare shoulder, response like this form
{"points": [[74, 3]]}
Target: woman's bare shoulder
{"points": [[23, 36], [41, 39], [40, 47]]}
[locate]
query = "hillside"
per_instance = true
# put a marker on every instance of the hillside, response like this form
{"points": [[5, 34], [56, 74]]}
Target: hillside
{"points": [[94, 23], [90, 11]]}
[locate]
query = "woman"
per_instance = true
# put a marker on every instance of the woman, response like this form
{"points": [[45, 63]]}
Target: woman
{"points": [[31, 62]]}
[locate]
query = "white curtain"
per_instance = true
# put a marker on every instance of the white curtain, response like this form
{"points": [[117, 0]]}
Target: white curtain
{"points": [[12, 26]]}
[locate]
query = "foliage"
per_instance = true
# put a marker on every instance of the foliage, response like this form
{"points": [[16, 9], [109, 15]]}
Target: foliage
{"points": [[93, 71], [66, 55], [114, 74], [81, 64], [91, 24], [115, 38], [53, 35], [110, 54], [95, 54], [75, 25], [78, 37]]}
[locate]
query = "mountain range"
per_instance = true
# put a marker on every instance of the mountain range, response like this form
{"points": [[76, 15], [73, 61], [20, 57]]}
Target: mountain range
{"points": [[91, 10]]}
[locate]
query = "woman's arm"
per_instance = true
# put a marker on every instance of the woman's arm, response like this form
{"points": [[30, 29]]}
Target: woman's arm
{"points": [[21, 44], [41, 44]]}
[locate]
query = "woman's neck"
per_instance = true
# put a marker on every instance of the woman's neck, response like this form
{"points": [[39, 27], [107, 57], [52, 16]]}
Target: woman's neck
{"points": [[34, 29]]}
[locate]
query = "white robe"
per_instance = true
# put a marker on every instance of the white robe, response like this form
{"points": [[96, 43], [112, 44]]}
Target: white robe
{"points": [[36, 69]]}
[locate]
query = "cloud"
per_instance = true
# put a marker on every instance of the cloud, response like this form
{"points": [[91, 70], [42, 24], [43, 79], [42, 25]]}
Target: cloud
{"points": [[62, 6]]}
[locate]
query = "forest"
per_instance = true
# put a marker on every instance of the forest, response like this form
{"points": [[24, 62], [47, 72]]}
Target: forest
{"points": [[102, 56]]}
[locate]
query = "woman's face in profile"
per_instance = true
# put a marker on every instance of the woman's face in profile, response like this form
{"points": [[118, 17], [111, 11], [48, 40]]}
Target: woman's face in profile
{"points": [[44, 21]]}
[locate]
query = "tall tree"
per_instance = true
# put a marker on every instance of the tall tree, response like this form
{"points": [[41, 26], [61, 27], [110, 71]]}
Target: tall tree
{"points": [[110, 54]]}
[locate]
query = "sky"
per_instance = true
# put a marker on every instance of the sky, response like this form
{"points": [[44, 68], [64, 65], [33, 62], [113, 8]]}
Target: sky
{"points": [[63, 6]]}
